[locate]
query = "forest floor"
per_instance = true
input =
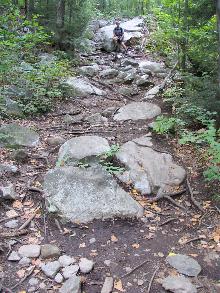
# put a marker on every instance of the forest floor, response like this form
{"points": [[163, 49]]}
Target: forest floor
{"points": [[116, 246]]}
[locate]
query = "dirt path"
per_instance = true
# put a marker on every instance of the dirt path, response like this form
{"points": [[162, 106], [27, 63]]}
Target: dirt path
{"points": [[116, 246]]}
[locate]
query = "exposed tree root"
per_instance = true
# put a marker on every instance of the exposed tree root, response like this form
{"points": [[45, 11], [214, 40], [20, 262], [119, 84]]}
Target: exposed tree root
{"points": [[195, 202]]}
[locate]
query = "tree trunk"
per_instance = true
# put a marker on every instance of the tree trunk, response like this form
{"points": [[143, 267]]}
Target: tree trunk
{"points": [[60, 14], [218, 93], [185, 39]]}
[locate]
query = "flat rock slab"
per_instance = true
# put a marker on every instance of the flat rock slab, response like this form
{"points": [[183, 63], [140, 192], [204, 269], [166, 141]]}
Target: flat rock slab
{"points": [[72, 285], [152, 93], [137, 111], [14, 135], [80, 87], [178, 284], [147, 169], [184, 264], [83, 195], [82, 147]]}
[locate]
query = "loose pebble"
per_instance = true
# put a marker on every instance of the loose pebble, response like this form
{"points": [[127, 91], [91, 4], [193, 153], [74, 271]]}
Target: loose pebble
{"points": [[86, 265], [66, 260], [31, 250], [70, 270]]}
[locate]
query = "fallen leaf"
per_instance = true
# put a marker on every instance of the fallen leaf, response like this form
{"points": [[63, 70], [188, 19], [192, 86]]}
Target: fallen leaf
{"points": [[171, 254], [216, 235], [160, 254], [118, 285], [136, 245], [114, 238], [17, 204], [21, 273]]}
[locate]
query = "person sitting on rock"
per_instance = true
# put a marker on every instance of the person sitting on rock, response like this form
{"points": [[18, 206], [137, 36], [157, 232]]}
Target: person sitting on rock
{"points": [[118, 36]]}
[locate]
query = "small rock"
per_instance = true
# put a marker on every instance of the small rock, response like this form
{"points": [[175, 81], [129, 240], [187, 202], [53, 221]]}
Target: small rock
{"points": [[49, 250], [92, 240], [14, 256], [33, 282], [109, 73], [140, 282], [107, 262], [55, 140], [66, 260], [6, 168], [108, 285], [178, 284], [25, 261], [32, 289], [72, 285], [70, 271], [51, 268], [42, 286], [31, 250], [11, 224], [8, 192], [184, 264], [109, 111], [86, 265], [59, 278]]}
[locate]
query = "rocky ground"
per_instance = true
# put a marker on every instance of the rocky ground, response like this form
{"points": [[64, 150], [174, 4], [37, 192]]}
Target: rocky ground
{"points": [[93, 201]]}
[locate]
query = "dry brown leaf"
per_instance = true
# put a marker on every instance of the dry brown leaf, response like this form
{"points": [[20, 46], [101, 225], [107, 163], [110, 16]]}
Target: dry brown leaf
{"points": [[118, 285], [17, 204], [216, 235], [21, 273], [136, 245], [114, 238]]}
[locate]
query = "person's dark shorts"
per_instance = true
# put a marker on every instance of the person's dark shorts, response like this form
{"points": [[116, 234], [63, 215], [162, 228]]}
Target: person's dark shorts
{"points": [[120, 40]]}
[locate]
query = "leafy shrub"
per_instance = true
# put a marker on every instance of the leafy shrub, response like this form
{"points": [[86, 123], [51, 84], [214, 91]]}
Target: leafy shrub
{"points": [[165, 125]]}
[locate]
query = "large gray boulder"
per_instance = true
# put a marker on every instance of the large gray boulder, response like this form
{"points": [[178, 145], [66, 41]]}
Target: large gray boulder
{"points": [[154, 67], [14, 135], [75, 86], [83, 147], [132, 30], [147, 169], [82, 195], [137, 111], [11, 107]]}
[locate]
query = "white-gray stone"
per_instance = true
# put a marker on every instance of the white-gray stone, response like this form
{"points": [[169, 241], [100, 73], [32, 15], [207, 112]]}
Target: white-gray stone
{"points": [[81, 87], [12, 108], [33, 282], [29, 250], [66, 260], [14, 135], [86, 265], [83, 195], [55, 140], [82, 147], [49, 250], [72, 285], [25, 261], [130, 62], [143, 80], [184, 264], [12, 224], [178, 284], [59, 278], [109, 73], [51, 268], [108, 285], [89, 70], [6, 168], [147, 169], [137, 111], [152, 93], [154, 67], [8, 192], [96, 118], [92, 240], [70, 271], [14, 256]]}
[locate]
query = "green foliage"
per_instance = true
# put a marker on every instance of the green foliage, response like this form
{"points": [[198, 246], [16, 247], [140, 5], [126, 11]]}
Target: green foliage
{"points": [[165, 125], [107, 160]]}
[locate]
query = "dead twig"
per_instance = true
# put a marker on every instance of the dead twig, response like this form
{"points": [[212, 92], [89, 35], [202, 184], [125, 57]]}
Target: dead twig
{"points": [[23, 279], [194, 239], [29, 220], [174, 202], [135, 268], [152, 279], [8, 219], [58, 226], [66, 113], [168, 221], [195, 202], [35, 189], [9, 234]]}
